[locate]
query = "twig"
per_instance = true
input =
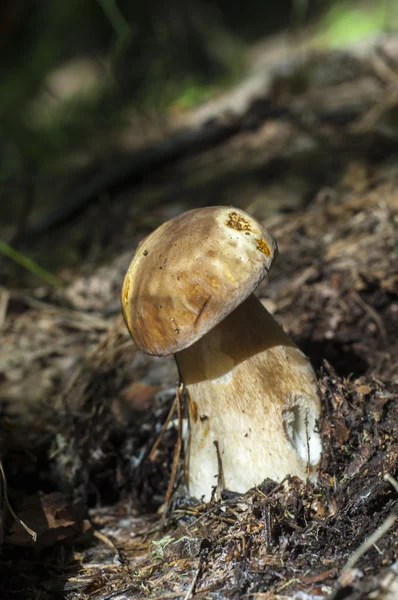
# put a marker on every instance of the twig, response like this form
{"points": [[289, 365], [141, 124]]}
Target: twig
{"points": [[220, 474], [390, 479], [191, 589], [287, 583], [166, 596], [369, 120], [103, 538], [373, 314], [163, 430], [93, 321], [267, 527], [32, 533], [130, 588], [177, 450]]}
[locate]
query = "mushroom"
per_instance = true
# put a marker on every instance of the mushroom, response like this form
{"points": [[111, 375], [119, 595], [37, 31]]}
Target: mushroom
{"points": [[252, 394]]}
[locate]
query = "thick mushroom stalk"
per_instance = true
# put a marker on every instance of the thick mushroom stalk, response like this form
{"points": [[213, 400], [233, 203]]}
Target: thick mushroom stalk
{"points": [[189, 292], [254, 392]]}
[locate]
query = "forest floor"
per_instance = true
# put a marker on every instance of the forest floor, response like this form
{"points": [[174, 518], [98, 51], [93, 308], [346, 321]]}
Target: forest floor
{"points": [[311, 150]]}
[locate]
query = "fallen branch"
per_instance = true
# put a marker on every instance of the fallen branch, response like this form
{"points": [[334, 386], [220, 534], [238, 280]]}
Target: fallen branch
{"points": [[132, 168]]}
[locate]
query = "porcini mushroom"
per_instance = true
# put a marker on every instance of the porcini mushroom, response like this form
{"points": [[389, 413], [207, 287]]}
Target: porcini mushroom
{"points": [[189, 291]]}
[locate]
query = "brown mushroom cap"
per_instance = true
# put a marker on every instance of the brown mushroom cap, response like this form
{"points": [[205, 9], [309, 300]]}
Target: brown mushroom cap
{"points": [[190, 273]]}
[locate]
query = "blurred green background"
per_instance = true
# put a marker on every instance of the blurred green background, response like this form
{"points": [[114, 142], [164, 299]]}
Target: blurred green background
{"points": [[75, 75]]}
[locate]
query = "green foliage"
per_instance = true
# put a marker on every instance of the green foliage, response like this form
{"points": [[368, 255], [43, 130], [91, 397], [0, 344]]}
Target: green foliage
{"points": [[346, 22], [194, 93], [158, 546]]}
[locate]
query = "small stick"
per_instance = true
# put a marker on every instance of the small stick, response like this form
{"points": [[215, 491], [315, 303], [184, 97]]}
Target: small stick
{"points": [[119, 592], [164, 427], [178, 447], [390, 479], [101, 536], [191, 588], [267, 527], [373, 314], [220, 475]]}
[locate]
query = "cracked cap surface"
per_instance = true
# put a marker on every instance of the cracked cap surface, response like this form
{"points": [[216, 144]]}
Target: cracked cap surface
{"points": [[190, 273]]}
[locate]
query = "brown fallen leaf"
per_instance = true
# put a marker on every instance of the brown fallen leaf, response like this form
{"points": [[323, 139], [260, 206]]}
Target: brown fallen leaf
{"points": [[52, 516]]}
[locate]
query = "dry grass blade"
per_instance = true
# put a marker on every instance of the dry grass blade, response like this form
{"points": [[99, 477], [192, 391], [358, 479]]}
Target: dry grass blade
{"points": [[391, 481], [369, 542], [30, 531], [376, 535]]}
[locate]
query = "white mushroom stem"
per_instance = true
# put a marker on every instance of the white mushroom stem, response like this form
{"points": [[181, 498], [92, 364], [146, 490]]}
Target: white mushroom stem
{"points": [[254, 392]]}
